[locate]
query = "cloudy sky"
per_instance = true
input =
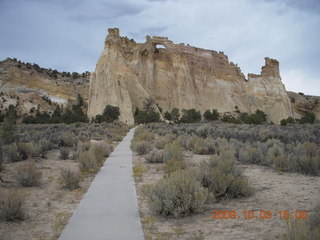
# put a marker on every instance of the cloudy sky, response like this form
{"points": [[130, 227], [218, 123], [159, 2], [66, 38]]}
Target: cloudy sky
{"points": [[68, 35]]}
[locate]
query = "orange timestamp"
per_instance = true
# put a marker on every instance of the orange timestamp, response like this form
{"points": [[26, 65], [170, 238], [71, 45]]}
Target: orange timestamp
{"points": [[260, 214]]}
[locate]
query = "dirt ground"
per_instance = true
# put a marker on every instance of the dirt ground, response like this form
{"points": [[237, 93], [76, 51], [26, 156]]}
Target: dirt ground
{"points": [[274, 191], [49, 205]]}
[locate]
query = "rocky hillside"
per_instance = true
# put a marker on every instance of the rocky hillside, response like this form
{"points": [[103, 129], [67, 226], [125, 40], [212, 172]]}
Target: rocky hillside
{"points": [[181, 76], [304, 103], [29, 88]]}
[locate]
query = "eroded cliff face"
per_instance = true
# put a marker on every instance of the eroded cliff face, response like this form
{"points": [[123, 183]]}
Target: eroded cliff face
{"points": [[30, 90], [181, 76]]}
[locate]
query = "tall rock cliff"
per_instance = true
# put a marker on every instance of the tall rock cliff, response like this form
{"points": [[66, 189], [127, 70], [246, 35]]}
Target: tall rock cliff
{"points": [[181, 76]]}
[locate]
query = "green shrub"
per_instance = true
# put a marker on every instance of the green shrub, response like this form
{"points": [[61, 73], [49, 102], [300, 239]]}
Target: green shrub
{"points": [[308, 118], [138, 171], [142, 147], [64, 153], [173, 150], [11, 205], [210, 116], [70, 179], [190, 116], [224, 178], [177, 195], [174, 164], [8, 129], [28, 175], [155, 156], [88, 162]]}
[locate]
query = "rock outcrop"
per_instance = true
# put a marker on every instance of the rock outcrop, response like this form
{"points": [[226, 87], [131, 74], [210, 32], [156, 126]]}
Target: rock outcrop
{"points": [[29, 87], [304, 103], [181, 76]]}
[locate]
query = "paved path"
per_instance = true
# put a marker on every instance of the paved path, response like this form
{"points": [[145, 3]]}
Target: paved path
{"points": [[109, 209]]}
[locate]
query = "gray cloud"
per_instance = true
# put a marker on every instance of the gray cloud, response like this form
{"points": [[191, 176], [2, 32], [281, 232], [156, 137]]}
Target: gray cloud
{"points": [[69, 35]]}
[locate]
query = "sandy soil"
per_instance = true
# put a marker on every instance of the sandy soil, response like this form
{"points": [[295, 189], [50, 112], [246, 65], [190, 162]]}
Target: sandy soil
{"points": [[47, 206], [274, 191]]}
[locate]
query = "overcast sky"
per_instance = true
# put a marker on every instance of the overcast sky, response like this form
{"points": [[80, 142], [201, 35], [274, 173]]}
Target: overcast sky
{"points": [[68, 35]]}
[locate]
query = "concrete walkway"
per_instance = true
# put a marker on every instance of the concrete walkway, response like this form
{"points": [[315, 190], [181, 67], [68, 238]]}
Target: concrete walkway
{"points": [[109, 209]]}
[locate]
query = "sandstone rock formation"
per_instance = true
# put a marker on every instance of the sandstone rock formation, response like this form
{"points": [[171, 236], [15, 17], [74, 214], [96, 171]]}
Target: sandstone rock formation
{"points": [[181, 76], [304, 103], [25, 88]]}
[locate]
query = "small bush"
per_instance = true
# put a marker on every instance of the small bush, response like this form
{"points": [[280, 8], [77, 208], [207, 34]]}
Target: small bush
{"points": [[200, 146], [138, 171], [304, 229], [161, 142], [64, 153], [70, 179], [252, 155], [173, 150], [88, 162], [155, 156], [28, 175], [224, 178], [142, 147], [27, 150], [102, 148], [174, 164], [177, 195], [10, 153], [308, 118], [44, 146], [11, 207]]}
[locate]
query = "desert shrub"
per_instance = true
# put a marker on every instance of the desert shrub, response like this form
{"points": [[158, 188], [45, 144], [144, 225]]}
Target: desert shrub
{"points": [[138, 171], [8, 129], [276, 155], [208, 115], [141, 134], [27, 150], [177, 195], [210, 145], [308, 118], [44, 146], [173, 150], [64, 153], [11, 205], [88, 162], [142, 147], [155, 156], [162, 141], [200, 146], [28, 175], [202, 131], [10, 153], [174, 164], [302, 160], [250, 154], [190, 116], [224, 178], [67, 141], [182, 140], [190, 142], [102, 148], [70, 179], [314, 218], [302, 228]]}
